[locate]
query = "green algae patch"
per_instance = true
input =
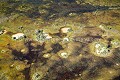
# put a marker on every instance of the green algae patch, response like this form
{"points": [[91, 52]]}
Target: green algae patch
{"points": [[100, 48]]}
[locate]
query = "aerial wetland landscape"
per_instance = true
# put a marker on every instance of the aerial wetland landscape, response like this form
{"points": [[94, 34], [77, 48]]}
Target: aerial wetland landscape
{"points": [[59, 39]]}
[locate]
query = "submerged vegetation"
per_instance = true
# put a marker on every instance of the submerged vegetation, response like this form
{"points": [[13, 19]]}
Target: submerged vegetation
{"points": [[59, 40]]}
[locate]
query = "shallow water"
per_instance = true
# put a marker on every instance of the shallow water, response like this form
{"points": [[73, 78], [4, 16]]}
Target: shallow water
{"points": [[59, 40]]}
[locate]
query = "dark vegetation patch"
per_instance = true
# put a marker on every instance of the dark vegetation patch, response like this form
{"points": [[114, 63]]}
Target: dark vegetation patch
{"points": [[75, 69], [18, 55], [26, 72], [116, 78], [57, 8], [56, 48], [107, 63], [33, 56], [117, 15], [94, 70], [61, 72]]}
